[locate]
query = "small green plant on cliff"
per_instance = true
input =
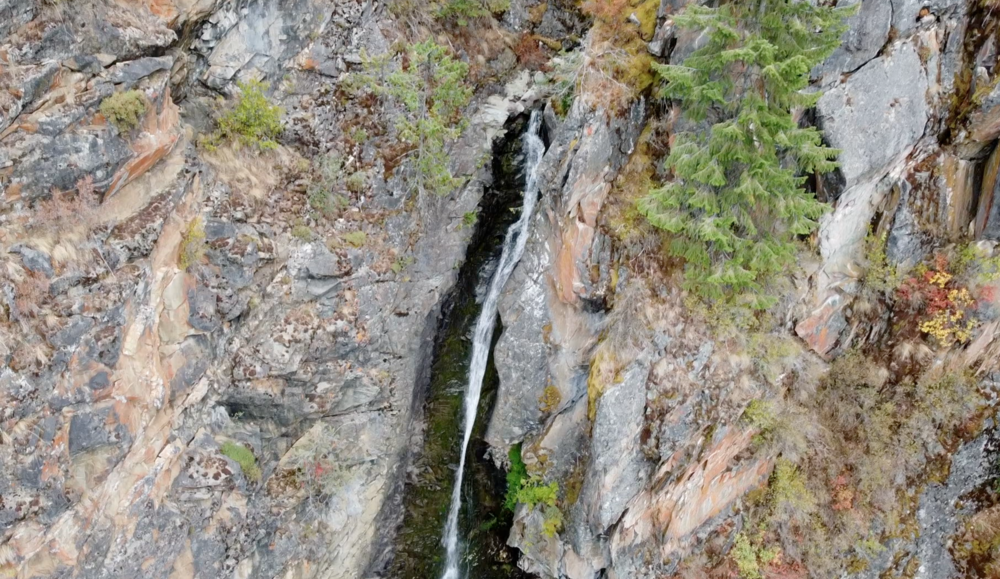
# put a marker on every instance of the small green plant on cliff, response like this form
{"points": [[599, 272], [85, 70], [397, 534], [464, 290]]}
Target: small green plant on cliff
{"points": [[760, 415], [124, 109], [550, 399], [253, 122], [749, 557], [431, 89], [515, 477], [881, 274], [192, 247], [462, 11], [244, 457], [736, 202]]}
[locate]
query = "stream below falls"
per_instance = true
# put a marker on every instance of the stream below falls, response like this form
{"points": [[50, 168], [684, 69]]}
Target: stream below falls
{"points": [[463, 376]]}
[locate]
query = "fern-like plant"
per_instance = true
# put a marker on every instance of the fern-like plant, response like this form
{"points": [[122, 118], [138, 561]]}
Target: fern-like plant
{"points": [[736, 202]]}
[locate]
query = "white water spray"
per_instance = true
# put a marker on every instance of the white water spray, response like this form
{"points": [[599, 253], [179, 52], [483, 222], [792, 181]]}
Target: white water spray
{"points": [[513, 249]]}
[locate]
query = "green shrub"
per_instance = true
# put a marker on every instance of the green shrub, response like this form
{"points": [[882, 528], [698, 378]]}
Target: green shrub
{"points": [[736, 202], [760, 415], [355, 238], [324, 179], [462, 11], [553, 521], [302, 231], [253, 122], [244, 457], [881, 275], [470, 218], [749, 557], [193, 245], [356, 182], [515, 477], [431, 88], [124, 109], [533, 492], [401, 263]]}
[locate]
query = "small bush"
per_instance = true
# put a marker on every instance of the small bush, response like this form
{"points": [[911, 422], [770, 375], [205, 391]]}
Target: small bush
{"points": [[881, 275], [431, 88], [355, 239], [302, 231], [534, 492], [749, 558], [515, 477], [254, 122], [462, 11], [944, 305], [244, 457], [401, 263], [356, 182], [192, 244], [124, 109]]}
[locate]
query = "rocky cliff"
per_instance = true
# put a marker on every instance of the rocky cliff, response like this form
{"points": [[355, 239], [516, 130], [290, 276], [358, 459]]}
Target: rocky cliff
{"points": [[204, 375]]}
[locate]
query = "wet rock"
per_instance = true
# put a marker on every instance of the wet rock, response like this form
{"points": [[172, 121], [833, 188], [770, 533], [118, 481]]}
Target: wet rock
{"points": [[521, 351]]}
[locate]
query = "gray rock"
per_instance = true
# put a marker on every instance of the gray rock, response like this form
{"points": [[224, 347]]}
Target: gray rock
{"points": [[73, 332], [906, 13], [87, 431], [34, 260], [877, 115], [217, 229], [324, 264], [938, 512], [83, 63], [64, 283]]}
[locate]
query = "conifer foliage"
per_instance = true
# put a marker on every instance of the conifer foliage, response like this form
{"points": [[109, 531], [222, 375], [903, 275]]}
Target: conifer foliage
{"points": [[430, 89], [736, 201]]}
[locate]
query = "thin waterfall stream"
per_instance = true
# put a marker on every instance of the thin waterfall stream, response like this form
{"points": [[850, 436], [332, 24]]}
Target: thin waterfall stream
{"points": [[513, 249]]}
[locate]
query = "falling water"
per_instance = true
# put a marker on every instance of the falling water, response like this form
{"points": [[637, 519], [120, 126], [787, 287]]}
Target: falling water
{"points": [[513, 248]]}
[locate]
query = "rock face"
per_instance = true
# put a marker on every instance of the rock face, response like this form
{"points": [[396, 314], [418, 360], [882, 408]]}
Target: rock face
{"points": [[203, 377], [645, 478], [188, 390]]}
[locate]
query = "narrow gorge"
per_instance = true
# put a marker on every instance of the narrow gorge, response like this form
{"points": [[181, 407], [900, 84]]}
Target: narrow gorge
{"points": [[483, 289]]}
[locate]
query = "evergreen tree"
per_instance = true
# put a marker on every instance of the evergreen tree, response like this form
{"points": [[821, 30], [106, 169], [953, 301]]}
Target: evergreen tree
{"points": [[736, 201], [431, 90]]}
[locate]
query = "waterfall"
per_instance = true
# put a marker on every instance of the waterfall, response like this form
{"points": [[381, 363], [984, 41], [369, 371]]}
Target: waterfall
{"points": [[513, 249]]}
